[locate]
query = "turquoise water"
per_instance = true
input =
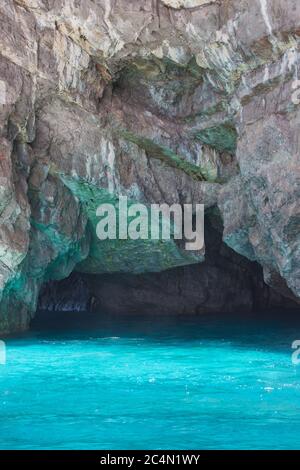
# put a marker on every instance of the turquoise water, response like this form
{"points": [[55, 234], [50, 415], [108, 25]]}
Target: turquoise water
{"points": [[214, 383]]}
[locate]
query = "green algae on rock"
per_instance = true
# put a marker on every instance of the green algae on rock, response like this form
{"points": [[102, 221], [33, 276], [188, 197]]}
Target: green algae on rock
{"points": [[222, 137], [128, 255], [168, 157]]}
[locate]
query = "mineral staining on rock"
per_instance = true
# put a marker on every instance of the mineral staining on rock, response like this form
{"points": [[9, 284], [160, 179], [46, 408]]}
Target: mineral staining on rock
{"points": [[223, 138], [167, 156], [203, 90], [134, 256]]}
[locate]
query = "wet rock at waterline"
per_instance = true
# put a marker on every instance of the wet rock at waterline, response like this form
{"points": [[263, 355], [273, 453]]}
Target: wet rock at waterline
{"points": [[164, 102]]}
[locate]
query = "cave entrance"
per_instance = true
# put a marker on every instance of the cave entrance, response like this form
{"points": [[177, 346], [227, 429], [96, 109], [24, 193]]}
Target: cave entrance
{"points": [[224, 283]]}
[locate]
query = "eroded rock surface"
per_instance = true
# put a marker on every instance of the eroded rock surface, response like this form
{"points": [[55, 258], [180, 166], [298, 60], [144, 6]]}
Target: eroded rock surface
{"points": [[162, 101]]}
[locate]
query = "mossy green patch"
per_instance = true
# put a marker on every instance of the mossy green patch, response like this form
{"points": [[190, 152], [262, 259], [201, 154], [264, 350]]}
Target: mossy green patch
{"points": [[169, 157], [118, 255], [223, 138]]}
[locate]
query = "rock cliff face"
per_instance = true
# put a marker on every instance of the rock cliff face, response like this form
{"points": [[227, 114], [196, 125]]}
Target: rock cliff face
{"points": [[182, 101]]}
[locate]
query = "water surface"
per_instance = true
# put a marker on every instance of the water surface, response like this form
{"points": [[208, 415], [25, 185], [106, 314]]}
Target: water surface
{"points": [[211, 383]]}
